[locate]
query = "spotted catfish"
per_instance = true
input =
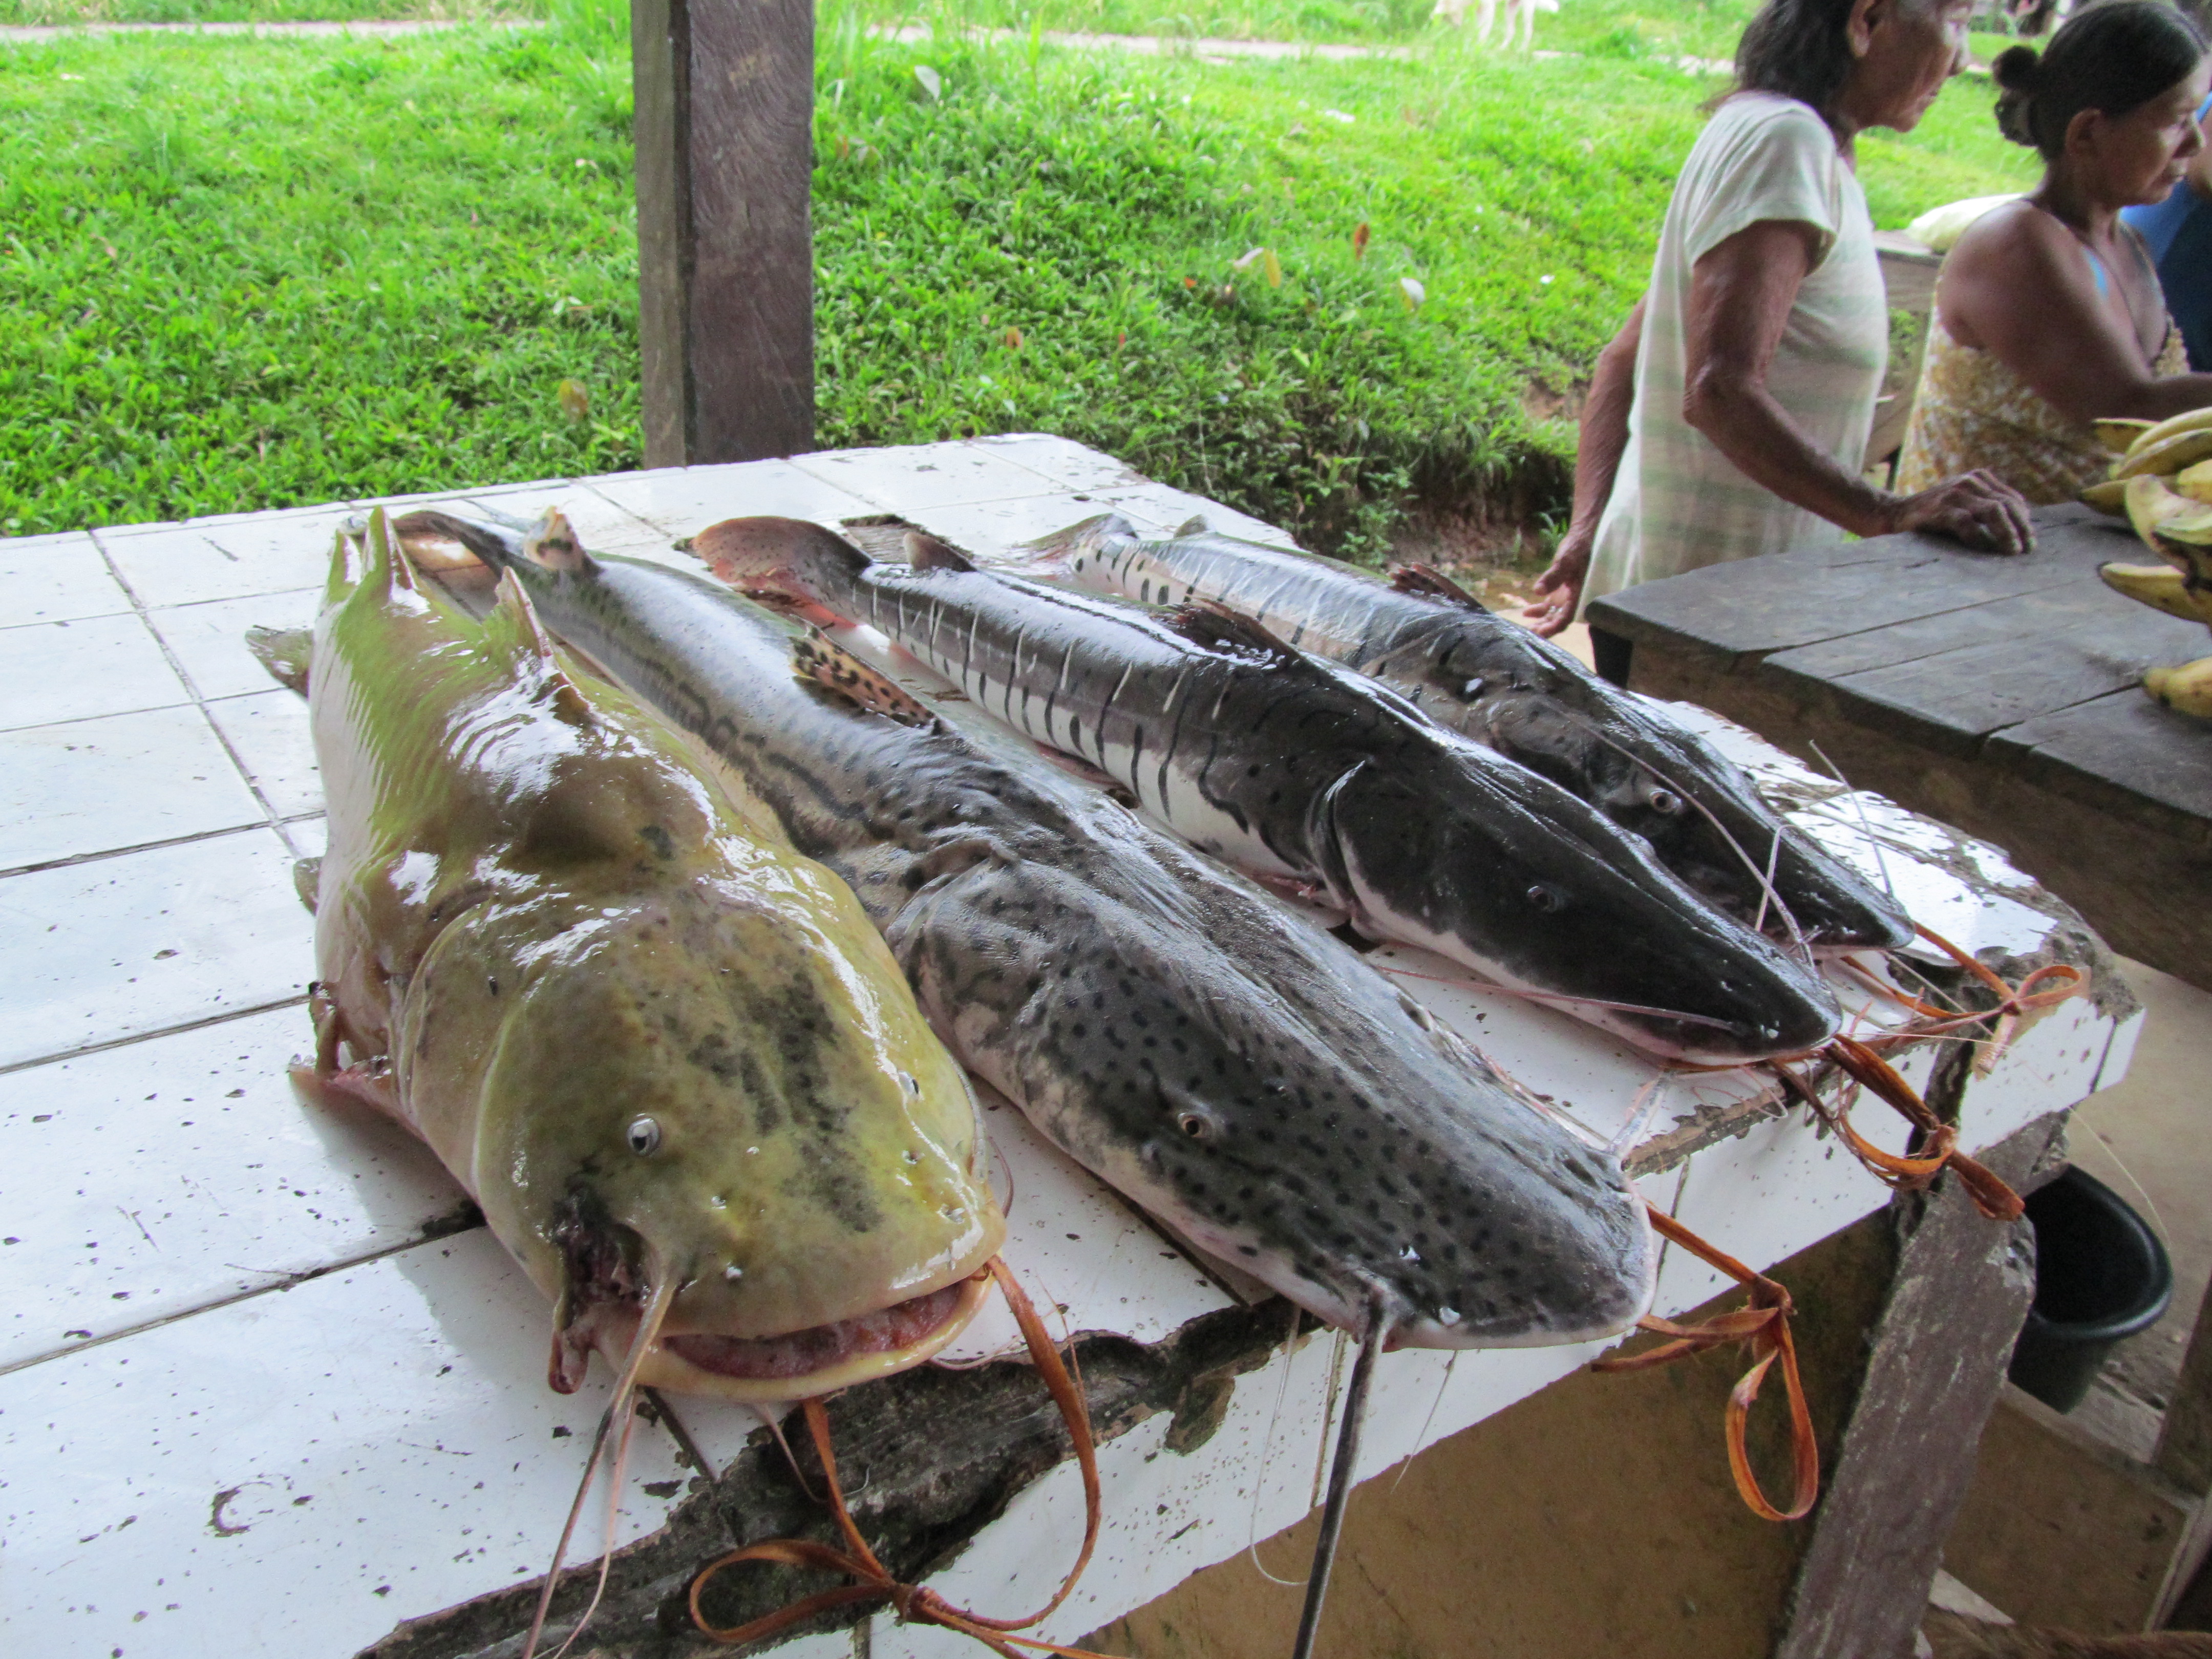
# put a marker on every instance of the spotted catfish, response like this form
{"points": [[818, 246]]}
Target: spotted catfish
{"points": [[1306, 775], [1244, 1076], [669, 1057], [1483, 675]]}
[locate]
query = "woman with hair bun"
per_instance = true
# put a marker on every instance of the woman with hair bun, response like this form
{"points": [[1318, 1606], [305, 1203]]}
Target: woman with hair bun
{"points": [[2048, 314], [1729, 417]]}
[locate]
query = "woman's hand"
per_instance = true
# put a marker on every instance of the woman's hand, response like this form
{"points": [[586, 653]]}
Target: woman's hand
{"points": [[1559, 589], [1978, 509]]}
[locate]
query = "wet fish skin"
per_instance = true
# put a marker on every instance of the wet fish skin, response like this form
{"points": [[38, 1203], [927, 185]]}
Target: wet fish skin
{"points": [[1502, 685], [1302, 772], [658, 1050], [1244, 1076]]}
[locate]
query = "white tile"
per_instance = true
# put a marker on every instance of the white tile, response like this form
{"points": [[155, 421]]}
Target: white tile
{"points": [[123, 781], [993, 530], [269, 732], [118, 947], [683, 501], [263, 553], [55, 579], [1070, 464], [912, 477], [209, 640], [72, 671], [602, 526], [162, 1177], [381, 1441], [1173, 507]]}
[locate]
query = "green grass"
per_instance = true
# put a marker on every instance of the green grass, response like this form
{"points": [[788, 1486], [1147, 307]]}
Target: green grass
{"points": [[236, 275], [254, 11]]}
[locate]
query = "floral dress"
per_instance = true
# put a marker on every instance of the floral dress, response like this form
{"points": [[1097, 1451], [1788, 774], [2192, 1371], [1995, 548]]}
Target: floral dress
{"points": [[1973, 411]]}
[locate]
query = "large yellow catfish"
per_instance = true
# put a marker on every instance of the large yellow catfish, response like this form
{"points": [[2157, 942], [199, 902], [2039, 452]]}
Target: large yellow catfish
{"points": [[670, 1057]]}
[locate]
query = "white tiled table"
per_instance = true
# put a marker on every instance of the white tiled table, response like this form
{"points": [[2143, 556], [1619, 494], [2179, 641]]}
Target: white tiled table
{"points": [[257, 1395]]}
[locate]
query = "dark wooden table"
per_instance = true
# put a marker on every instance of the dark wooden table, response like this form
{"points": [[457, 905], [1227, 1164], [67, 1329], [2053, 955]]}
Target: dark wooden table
{"points": [[2000, 695]]}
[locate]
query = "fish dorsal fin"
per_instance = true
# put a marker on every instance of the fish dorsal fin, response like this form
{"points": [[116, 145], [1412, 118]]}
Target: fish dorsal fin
{"points": [[817, 658], [532, 648], [1431, 583], [285, 653], [1215, 626], [924, 552], [553, 542], [1194, 525]]}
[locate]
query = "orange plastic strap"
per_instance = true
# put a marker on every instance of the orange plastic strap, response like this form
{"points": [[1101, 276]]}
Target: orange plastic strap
{"points": [[856, 1560], [1763, 1326], [2046, 987]]}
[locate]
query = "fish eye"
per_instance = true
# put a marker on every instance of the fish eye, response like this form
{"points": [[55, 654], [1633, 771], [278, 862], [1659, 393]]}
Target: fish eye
{"points": [[1546, 897], [1666, 802], [644, 1136], [1192, 1125]]}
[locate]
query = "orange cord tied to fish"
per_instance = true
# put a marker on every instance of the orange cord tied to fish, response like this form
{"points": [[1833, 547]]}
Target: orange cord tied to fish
{"points": [[856, 1560]]}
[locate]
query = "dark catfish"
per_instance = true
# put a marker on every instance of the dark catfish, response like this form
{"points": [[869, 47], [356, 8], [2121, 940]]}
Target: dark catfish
{"points": [[1318, 780], [1499, 684]]}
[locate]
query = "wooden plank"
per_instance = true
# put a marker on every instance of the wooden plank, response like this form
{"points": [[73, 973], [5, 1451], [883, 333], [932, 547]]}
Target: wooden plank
{"points": [[2127, 753], [1939, 1352], [725, 97], [1908, 270]]}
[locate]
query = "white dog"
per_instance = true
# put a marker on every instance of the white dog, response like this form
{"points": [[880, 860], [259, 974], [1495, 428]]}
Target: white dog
{"points": [[1521, 14]]}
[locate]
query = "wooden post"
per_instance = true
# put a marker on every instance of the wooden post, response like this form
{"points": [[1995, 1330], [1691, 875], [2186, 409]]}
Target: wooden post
{"points": [[726, 263], [1937, 1361]]}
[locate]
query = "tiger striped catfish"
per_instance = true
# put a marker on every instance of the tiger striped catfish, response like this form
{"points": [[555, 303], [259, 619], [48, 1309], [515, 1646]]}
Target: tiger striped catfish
{"points": [[1314, 779], [1498, 683], [1243, 1075]]}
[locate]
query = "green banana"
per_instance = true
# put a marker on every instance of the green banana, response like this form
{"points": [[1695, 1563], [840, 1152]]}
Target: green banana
{"points": [[2196, 482], [2109, 496], [2193, 420], [2152, 455], [2119, 436]]}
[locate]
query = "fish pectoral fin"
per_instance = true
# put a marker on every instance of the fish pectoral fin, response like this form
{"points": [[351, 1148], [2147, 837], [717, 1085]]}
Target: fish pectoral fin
{"points": [[1430, 583], [951, 857], [308, 881], [570, 1360], [553, 543], [927, 552], [1194, 525], [771, 561], [818, 658], [1209, 624], [285, 653], [1104, 781]]}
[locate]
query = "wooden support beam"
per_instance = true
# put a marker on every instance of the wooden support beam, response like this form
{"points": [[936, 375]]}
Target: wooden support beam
{"points": [[1937, 1364], [726, 260]]}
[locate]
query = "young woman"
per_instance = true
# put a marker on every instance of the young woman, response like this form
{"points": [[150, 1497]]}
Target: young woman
{"points": [[2049, 314], [1729, 417]]}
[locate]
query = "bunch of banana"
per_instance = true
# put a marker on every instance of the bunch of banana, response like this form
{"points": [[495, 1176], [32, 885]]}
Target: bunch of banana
{"points": [[2176, 524]]}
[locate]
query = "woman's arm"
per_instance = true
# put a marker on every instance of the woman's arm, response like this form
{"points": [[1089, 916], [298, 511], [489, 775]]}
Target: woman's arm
{"points": [[1602, 436], [2018, 285], [1740, 295]]}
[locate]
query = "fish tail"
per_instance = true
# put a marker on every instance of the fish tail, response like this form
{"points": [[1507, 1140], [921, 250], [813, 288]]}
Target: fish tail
{"points": [[789, 564]]}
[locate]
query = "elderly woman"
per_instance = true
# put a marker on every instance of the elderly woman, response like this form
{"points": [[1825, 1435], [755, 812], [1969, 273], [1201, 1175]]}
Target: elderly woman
{"points": [[1730, 415], [2049, 314]]}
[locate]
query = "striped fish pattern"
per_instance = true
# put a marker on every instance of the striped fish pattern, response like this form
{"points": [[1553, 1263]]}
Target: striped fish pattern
{"points": [[1495, 682]]}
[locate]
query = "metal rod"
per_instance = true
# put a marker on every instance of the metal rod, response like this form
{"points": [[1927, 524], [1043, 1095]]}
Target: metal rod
{"points": [[1339, 1487]]}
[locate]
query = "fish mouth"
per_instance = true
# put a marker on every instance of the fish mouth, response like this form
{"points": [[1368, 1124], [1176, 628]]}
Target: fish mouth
{"points": [[804, 1364]]}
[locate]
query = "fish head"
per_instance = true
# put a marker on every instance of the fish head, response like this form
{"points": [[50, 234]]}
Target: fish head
{"points": [[1558, 900], [1254, 1085], [688, 1088]]}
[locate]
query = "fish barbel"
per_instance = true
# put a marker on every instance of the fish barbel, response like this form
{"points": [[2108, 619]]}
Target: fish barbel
{"points": [[667, 1056], [1237, 1072], [1304, 774], [1498, 683]]}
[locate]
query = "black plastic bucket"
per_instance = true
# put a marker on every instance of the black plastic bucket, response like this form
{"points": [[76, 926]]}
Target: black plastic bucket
{"points": [[2100, 1275]]}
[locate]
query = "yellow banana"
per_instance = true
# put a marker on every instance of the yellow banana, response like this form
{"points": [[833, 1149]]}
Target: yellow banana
{"points": [[2118, 435], [2109, 496], [2187, 688], [2196, 482], [2166, 456], [2194, 420], [2161, 588], [2164, 519]]}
